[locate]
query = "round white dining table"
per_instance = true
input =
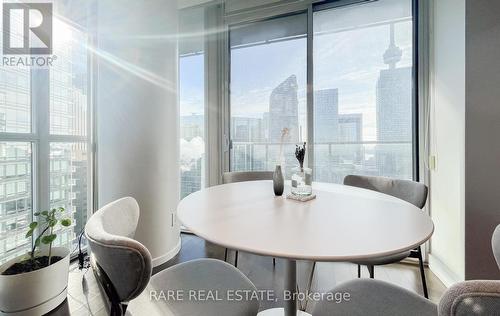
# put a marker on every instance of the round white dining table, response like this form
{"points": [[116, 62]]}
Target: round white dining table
{"points": [[342, 223]]}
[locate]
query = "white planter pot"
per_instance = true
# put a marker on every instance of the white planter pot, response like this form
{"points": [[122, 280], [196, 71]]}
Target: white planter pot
{"points": [[37, 292]]}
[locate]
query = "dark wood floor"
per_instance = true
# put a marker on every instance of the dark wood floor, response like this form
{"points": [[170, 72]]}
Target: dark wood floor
{"points": [[84, 297]]}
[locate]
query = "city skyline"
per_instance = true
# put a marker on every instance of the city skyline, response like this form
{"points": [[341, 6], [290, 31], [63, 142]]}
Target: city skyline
{"points": [[355, 80]]}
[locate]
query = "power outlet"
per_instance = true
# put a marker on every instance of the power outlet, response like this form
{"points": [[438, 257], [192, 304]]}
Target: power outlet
{"points": [[173, 219], [432, 162]]}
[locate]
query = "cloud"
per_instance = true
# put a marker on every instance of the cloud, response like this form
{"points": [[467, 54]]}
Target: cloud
{"points": [[191, 151]]}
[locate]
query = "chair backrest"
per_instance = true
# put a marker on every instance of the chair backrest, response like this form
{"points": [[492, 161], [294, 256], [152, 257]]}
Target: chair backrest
{"points": [[409, 191], [240, 176], [126, 262], [495, 245]]}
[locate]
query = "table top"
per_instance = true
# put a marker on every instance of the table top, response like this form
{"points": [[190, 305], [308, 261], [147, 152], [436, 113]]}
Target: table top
{"points": [[343, 223]]}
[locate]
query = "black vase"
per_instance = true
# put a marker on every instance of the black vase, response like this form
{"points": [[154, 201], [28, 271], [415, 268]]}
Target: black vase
{"points": [[278, 181]]}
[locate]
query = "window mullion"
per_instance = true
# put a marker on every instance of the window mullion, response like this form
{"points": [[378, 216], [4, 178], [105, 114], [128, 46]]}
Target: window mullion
{"points": [[67, 139], [40, 103], [18, 137], [310, 90]]}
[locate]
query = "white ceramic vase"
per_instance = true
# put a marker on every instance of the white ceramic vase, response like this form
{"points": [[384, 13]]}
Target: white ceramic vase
{"points": [[37, 292]]}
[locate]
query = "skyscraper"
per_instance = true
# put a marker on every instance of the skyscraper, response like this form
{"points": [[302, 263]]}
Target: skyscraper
{"points": [[326, 115], [283, 111], [15, 199], [192, 126], [350, 127], [247, 129], [394, 120], [350, 135]]}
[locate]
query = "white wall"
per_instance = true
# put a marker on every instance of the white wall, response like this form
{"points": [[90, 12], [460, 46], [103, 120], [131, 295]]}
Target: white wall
{"points": [[137, 115], [447, 140]]}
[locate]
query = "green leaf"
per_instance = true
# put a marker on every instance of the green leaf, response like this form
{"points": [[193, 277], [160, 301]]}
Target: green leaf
{"points": [[33, 225], [49, 239], [52, 222], [66, 222], [37, 214], [45, 213], [61, 209], [29, 233], [37, 242]]}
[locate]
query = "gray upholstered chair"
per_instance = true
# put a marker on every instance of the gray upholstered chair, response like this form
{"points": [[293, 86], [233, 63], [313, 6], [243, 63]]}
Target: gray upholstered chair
{"points": [[373, 297], [241, 176], [409, 191], [123, 267]]}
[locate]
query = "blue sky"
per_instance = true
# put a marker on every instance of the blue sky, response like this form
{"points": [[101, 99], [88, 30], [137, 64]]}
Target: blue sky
{"points": [[191, 84]]}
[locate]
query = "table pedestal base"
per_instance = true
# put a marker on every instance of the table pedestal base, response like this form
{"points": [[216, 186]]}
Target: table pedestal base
{"points": [[291, 287], [279, 312]]}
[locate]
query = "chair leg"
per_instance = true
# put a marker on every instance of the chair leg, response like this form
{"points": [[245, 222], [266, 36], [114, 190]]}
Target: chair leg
{"points": [[359, 271], [236, 259], [422, 271], [371, 269], [225, 255], [116, 309], [274, 262]]}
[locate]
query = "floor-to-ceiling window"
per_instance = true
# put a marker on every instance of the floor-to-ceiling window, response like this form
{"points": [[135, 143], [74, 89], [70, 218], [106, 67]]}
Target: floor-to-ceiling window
{"points": [[192, 100], [361, 107], [268, 80], [44, 141]]}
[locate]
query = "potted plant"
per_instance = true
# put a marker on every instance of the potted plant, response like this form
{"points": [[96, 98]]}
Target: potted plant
{"points": [[36, 283]]}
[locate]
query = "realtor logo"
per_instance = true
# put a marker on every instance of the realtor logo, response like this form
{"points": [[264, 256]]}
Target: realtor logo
{"points": [[27, 28]]}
